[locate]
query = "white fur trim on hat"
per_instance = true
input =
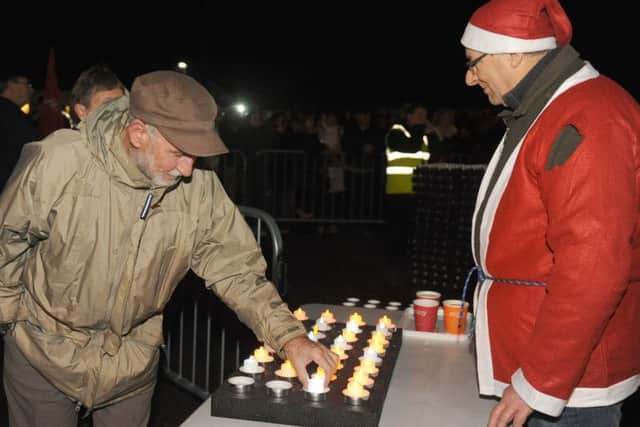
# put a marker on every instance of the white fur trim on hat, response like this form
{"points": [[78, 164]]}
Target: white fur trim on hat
{"points": [[488, 42]]}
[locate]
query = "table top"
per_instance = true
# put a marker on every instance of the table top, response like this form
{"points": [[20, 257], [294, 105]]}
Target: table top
{"points": [[434, 379]]}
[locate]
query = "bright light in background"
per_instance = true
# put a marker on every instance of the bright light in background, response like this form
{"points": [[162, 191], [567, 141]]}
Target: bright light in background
{"points": [[26, 108], [182, 66], [241, 108]]}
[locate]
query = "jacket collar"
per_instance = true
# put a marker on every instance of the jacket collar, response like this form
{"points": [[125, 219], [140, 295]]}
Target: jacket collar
{"points": [[542, 80], [103, 132]]}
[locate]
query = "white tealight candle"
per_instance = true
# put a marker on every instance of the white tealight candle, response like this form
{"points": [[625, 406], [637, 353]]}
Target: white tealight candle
{"points": [[316, 382], [341, 342], [251, 366], [382, 328], [250, 363], [363, 378], [353, 326], [371, 354], [322, 324], [356, 317]]}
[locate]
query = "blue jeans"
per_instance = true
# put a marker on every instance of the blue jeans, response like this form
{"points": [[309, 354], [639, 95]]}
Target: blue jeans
{"points": [[601, 416]]}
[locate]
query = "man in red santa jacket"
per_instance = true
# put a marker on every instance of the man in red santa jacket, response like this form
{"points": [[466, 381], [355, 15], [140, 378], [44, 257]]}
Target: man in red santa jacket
{"points": [[556, 228]]}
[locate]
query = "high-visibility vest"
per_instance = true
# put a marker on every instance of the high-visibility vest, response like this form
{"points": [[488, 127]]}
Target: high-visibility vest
{"points": [[400, 165]]}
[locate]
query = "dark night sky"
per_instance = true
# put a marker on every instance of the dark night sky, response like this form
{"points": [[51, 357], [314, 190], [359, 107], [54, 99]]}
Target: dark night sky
{"points": [[307, 54]]}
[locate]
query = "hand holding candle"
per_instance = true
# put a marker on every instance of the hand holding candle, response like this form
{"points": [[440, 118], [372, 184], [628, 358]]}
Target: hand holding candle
{"points": [[301, 351]]}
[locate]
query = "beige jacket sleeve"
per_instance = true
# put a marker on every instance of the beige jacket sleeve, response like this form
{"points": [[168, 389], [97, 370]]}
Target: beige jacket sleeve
{"points": [[228, 258], [24, 208]]}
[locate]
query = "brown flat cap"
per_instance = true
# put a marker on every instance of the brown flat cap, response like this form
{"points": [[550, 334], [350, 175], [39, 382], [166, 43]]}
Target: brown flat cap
{"points": [[181, 108]]}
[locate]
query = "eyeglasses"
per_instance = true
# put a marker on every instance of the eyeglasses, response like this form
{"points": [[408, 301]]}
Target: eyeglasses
{"points": [[473, 62]]}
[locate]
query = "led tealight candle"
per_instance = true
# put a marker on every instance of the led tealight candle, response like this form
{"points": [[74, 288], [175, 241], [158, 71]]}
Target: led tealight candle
{"points": [[316, 382], [322, 324], [382, 328], [387, 322], [339, 351], [378, 348], [349, 336], [300, 314], [341, 342], [357, 318], [262, 355], [251, 366], [287, 370], [362, 377], [353, 326], [315, 335], [328, 316], [250, 363], [377, 337], [368, 366], [355, 390], [371, 354]]}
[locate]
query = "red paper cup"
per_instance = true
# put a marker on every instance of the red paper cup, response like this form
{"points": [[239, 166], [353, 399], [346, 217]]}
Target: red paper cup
{"points": [[434, 295], [425, 312]]}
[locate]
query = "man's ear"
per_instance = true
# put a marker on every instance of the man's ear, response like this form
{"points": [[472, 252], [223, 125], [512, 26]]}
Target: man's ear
{"points": [[515, 59], [80, 110], [138, 135]]}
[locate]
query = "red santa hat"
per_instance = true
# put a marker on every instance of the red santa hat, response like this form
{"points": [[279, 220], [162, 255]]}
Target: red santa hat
{"points": [[517, 26]]}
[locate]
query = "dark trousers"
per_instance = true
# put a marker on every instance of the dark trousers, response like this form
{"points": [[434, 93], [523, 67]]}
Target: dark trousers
{"points": [[601, 416], [34, 402], [400, 213]]}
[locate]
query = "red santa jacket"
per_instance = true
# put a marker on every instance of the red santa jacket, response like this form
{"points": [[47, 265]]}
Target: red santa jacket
{"points": [[574, 227]]}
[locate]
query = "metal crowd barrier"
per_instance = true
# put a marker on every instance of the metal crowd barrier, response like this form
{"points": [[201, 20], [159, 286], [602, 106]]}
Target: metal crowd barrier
{"points": [[205, 341], [294, 186], [231, 168]]}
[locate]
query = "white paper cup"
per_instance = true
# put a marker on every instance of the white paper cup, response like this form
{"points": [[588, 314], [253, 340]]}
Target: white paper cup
{"points": [[391, 308], [369, 306], [427, 294], [353, 299], [349, 304], [373, 301]]}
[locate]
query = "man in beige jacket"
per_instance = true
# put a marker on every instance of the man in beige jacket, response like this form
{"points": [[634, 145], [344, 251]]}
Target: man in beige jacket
{"points": [[97, 228]]}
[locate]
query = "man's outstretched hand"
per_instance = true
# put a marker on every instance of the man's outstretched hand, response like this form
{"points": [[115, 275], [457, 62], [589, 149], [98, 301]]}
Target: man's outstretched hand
{"points": [[301, 351]]}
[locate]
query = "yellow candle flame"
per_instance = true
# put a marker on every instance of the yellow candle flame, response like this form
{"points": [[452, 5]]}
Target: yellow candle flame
{"points": [[348, 335], [378, 348], [355, 389], [378, 338], [386, 321], [320, 372], [356, 317], [287, 369], [261, 354], [327, 315], [361, 376], [315, 329]]}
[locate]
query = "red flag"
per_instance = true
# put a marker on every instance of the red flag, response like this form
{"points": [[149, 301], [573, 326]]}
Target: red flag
{"points": [[51, 117]]}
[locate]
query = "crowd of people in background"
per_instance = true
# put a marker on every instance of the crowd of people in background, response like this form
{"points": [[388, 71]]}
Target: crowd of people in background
{"points": [[463, 135]]}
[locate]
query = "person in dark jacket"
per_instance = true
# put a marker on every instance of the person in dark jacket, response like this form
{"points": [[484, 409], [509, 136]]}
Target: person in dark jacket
{"points": [[15, 127]]}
